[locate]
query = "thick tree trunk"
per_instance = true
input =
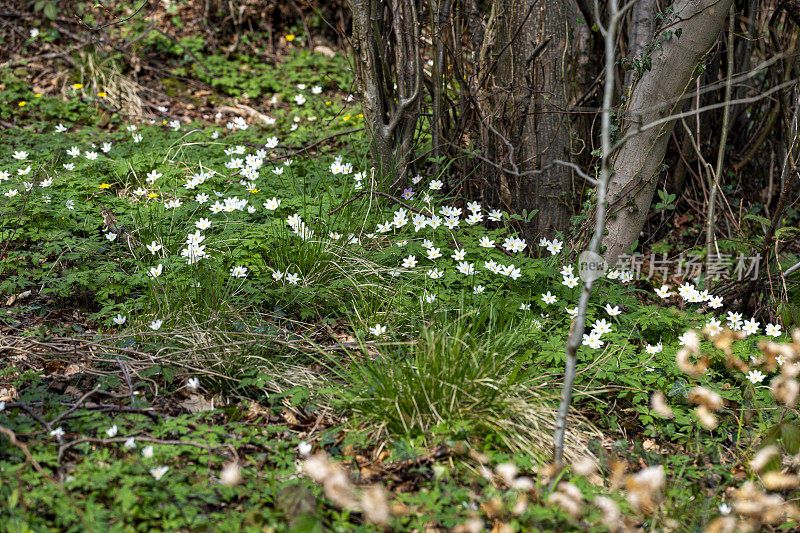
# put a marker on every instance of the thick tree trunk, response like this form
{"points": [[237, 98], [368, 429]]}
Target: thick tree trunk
{"points": [[386, 49], [529, 124], [652, 98]]}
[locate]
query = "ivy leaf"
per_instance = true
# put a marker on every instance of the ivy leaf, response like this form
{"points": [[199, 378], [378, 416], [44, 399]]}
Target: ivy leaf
{"points": [[680, 387]]}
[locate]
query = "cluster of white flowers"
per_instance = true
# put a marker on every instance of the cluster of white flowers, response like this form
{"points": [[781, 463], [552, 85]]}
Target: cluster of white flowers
{"points": [[339, 167], [228, 205], [239, 272], [299, 227], [735, 320], [426, 218], [290, 278], [509, 270], [194, 251], [593, 338], [197, 179], [238, 123], [554, 246]]}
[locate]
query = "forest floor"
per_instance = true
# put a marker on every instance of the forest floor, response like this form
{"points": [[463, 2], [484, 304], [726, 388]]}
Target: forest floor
{"points": [[210, 323]]}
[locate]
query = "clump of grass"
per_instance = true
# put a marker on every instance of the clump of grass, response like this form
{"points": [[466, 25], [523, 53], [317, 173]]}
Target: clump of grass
{"points": [[456, 378], [103, 75]]}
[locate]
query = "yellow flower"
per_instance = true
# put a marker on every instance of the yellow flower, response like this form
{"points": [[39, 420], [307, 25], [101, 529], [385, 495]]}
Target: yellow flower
{"points": [[360, 115], [328, 102], [346, 117], [163, 122], [153, 195], [105, 186], [102, 94], [77, 85], [22, 104], [254, 191], [37, 95], [290, 38]]}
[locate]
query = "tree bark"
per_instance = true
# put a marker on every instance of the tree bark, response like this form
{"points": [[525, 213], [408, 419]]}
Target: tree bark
{"points": [[640, 32], [388, 73], [529, 127], [656, 95]]}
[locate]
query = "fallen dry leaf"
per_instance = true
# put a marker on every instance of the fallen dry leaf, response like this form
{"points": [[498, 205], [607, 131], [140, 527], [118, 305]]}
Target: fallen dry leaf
{"points": [[196, 404], [8, 394], [255, 411]]}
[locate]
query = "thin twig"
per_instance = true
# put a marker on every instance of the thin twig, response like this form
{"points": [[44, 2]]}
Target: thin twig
{"points": [[113, 22], [379, 193], [578, 170], [714, 185], [128, 380], [791, 269]]}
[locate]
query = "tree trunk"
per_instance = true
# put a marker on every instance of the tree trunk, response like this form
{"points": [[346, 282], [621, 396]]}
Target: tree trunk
{"points": [[529, 125], [386, 49], [652, 98], [640, 32]]}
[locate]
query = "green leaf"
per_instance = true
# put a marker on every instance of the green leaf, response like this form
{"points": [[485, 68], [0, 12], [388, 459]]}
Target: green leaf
{"points": [[680, 387], [300, 507], [785, 312], [756, 218], [786, 233], [50, 11], [169, 373], [13, 499], [790, 435]]}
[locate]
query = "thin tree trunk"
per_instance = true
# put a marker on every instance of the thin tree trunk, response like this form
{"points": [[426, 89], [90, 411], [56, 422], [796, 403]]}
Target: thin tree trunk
{"points": [[711, 240]]}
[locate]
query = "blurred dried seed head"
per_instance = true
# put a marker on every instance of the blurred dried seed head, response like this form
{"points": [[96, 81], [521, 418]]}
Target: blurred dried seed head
{"points": [[706, 418], [374, 506], [778, 481], [584, 466], [706, 398], [761, 458], [523, 483], [520, 506], [617, 473], [723, 524], [724, 340], [658, 402], [231, 474], [571, 490], [785, 389], [686, 366], [644, 488], [567, 504], [611, 517], [506, 472]]}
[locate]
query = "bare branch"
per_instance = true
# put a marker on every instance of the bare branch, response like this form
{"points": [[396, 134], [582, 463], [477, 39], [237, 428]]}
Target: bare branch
{"points": [[578, 170], [578, 326]]}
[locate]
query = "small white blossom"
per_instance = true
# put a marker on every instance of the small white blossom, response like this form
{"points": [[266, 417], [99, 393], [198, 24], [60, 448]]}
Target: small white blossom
{"points": [[377, 330]]}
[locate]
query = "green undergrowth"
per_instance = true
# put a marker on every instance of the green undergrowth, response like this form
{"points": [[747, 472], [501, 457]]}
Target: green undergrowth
{"points": [[245, 255]]}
